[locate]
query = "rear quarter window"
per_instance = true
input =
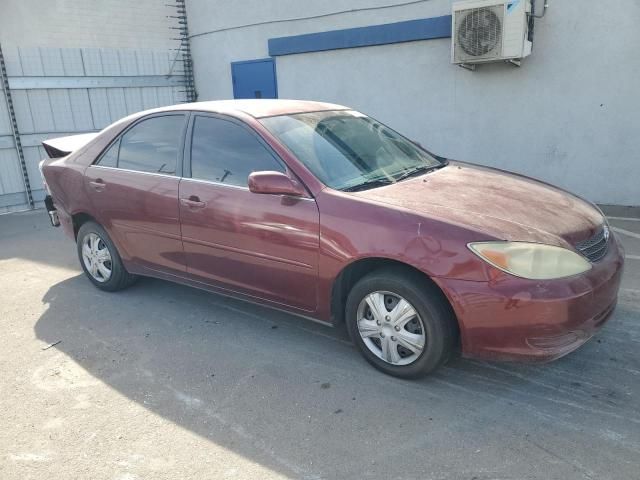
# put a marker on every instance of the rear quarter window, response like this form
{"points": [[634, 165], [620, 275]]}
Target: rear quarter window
{"points": [[110, 157]]}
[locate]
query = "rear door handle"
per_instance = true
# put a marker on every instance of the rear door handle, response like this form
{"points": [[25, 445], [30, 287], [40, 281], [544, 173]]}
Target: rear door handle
{"points": [[98, 185], [193, 202]]}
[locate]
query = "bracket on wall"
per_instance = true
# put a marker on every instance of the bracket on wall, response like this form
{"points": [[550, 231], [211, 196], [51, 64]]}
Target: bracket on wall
{"points": [[516, 62], [184, 50]]}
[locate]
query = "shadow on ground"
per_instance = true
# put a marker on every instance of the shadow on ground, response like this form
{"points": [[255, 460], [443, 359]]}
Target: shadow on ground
{"points": [[30, 236], [297, 397]]}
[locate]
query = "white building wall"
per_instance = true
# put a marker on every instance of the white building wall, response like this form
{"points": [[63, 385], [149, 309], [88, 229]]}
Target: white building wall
{"points": [[138, 24], [570, 115]]}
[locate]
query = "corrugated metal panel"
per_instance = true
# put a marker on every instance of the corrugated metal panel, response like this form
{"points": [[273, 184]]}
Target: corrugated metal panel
{"points": [[61, 106], [118, 81], [5, 125], [50, 112], [32, 156], [72, 61], [12, 60], [41, 111], [23, 111], [10, 175], [81, 109], [13, 194]]}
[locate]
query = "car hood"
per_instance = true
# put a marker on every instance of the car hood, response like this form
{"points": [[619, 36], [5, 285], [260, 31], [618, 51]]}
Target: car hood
{"points": [[495, 204]]}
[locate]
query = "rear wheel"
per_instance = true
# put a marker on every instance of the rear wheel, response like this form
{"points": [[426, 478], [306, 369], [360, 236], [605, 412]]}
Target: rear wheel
{"points": [[100, 259], [401, 323]]}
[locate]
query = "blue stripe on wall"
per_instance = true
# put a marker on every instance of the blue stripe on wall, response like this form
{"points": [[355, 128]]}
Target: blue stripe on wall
{"points": [[408, 31]]}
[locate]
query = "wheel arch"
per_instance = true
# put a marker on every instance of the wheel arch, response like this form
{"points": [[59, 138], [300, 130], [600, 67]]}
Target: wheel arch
{"points": [[78, 219], [354, 271], [81, 217]]}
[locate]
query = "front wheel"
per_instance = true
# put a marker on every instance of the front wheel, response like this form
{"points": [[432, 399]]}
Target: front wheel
{"points": [[401, 323], [100, 259]]}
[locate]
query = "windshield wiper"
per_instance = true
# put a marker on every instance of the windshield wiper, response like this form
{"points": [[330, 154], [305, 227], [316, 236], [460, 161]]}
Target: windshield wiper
{"points": [[418, 170], [374, 182], [381, 181]]}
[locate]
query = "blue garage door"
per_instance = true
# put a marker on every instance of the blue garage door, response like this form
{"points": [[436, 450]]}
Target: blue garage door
{"points": [[254, 79]]}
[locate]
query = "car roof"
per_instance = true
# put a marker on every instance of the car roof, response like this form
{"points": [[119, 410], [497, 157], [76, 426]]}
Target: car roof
{"points": [[257, 108]]}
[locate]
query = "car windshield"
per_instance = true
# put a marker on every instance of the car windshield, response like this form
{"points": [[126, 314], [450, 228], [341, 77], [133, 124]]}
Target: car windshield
{"points": [[349, 151]]}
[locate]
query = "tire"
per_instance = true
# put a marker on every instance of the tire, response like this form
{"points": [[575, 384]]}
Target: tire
{"points": [[118, 278], [434, 322]]}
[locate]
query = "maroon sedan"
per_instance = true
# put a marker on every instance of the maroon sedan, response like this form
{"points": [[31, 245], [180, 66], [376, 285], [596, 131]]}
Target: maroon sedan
{"points": [[322, 211]]}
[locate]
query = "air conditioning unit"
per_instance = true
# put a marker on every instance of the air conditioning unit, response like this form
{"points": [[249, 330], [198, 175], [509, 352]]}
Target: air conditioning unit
{"points": [[490, 31]]}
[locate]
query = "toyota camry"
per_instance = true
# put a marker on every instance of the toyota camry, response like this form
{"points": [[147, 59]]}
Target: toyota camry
{"points": [[325, 212]]}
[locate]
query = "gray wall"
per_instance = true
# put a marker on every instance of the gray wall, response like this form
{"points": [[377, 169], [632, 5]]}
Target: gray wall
{"points": [[570, 115]]}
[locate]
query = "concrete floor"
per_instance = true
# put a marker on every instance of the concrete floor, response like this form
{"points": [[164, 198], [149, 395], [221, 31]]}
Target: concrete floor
{"points": [[163, 381]]}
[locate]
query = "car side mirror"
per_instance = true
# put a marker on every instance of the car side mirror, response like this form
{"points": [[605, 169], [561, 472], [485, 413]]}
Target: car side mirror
{"points": [[275, 183]]}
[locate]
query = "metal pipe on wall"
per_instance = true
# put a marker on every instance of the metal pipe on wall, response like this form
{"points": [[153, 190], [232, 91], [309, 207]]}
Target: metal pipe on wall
{"points": [[14, 129]]}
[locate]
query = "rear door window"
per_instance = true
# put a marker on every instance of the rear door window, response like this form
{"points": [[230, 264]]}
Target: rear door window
{"points": [[152, 145]]}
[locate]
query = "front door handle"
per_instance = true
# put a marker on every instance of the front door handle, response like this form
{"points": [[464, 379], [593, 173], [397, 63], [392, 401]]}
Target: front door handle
{"points": [[193, 202], [98, 185]]}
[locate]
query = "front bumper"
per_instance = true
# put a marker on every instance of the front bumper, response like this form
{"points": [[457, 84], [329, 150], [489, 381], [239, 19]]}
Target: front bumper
{"points": [[510, 318]]}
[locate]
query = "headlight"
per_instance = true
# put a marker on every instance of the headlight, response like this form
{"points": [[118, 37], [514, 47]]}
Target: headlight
{"points": [[534, 261]]}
